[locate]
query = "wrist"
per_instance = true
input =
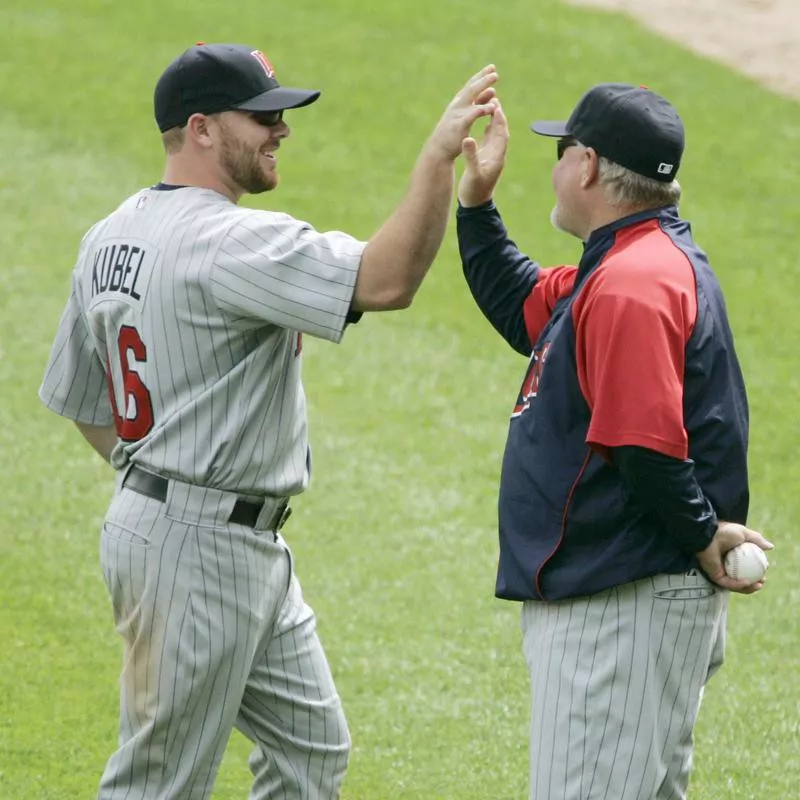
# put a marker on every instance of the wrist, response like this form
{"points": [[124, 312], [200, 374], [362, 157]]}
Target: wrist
{"points": [[473, 201], [436, 153], [465, 209], [705, 534]]}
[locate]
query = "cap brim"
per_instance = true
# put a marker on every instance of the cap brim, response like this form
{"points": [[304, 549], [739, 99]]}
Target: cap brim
{"points": [[279, 98], [550, 128]]}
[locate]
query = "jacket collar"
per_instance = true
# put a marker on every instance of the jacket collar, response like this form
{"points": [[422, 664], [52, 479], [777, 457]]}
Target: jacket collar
{"points": [[601, 239]]}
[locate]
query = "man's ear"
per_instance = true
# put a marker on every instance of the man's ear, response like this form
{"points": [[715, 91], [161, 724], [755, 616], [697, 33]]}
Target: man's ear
{"points": [[590, 165], [198, 129]]}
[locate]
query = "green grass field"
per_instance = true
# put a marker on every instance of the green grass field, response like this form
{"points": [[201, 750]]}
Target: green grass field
{"points": [[395, 541]]}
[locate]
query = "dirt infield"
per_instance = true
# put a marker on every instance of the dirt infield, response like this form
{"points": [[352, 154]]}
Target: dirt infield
{"points": [[760, 38]]}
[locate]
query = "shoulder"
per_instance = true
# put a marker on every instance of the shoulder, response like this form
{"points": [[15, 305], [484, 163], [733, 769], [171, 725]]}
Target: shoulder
{"points": [[269, 221], [102, 225], [644, 279], [283, 235], [643, 263]]}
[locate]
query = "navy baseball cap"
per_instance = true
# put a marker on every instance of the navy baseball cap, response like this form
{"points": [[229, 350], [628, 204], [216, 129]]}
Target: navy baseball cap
{"points": [[209, 78], [629, 125]]}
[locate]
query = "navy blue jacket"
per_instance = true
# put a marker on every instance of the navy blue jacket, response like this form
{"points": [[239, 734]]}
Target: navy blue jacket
{"points": [[632, 347]]}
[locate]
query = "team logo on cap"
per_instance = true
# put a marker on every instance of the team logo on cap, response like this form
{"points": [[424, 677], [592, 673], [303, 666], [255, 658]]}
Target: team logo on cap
{"points": [[665, 169], [264, 61]]}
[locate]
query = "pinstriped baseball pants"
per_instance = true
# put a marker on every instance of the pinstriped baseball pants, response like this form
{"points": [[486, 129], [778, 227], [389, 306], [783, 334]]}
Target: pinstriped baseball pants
{"points": [[616, 682], [216, 635]]}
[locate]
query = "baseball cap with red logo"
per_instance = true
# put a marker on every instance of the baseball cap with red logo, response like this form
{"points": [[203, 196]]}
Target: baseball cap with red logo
{"points": [[209, 78], [630, 125]]}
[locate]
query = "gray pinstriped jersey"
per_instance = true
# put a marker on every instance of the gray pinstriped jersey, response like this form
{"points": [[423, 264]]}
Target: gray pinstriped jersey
{"points": [[196, 308]]}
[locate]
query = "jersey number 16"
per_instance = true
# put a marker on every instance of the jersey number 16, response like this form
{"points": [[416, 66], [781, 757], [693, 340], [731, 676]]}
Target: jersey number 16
{"points": [[137, 418]]}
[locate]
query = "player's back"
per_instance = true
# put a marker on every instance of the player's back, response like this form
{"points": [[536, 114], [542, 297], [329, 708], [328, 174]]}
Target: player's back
{"points": [[194, 388]]}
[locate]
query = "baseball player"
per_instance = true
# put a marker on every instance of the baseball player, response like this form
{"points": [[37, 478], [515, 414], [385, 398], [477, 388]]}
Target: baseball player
{"points": [[624, 479], [178, 357]]}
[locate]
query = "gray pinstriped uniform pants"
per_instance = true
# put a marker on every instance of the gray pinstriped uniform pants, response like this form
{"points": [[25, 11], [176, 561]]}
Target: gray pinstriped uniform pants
{"points": [[616, 681], [216, 635]]}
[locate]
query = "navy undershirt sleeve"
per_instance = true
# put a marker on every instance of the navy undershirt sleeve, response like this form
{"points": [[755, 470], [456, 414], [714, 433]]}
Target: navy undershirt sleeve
{"points": [[353, 317], [667, 487], [498, 275]]}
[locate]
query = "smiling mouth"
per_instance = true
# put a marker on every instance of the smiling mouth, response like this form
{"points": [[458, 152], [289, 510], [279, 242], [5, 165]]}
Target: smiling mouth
{"points": [[269, 156]]}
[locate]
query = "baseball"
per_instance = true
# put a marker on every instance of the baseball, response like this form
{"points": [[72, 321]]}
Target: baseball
{"points": [[746, 562]]}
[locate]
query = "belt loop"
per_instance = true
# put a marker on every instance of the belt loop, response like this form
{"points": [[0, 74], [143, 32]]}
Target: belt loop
{"points": [[121, 475], [273, 515]]}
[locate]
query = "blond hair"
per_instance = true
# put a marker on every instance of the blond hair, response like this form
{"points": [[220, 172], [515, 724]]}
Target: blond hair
{"points": [[623, 187], [173, 140]]}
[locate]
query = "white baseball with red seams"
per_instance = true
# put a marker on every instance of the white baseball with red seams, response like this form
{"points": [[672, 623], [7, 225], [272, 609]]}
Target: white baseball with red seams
{"points": [[746, 562]]}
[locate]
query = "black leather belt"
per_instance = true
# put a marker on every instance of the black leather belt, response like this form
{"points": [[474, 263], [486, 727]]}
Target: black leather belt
{"points": [[245, 512]]}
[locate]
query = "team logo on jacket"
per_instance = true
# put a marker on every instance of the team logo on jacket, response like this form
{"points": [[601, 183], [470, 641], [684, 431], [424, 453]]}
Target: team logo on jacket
{"points": [[530, 386]]}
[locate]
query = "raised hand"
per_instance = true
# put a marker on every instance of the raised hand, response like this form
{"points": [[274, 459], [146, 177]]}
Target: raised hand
{"points": [[484, 162], [476, 99]]}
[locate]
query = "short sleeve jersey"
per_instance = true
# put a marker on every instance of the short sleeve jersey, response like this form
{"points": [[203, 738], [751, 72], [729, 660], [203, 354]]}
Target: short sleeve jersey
{"points": [[184, 329]]}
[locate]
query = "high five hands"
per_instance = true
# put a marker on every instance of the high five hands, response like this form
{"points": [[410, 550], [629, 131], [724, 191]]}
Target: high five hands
{"points": [[484, 160], [477, 98], [452, 137]]}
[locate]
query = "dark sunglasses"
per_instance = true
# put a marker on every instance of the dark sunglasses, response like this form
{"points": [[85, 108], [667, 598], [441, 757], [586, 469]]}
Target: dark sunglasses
{"points": [[267, 118], [563, 143]]}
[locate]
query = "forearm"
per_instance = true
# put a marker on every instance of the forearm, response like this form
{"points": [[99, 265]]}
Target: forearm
{"points": [[398, 256], [102, 438], [667, 488], [498, 275]]}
